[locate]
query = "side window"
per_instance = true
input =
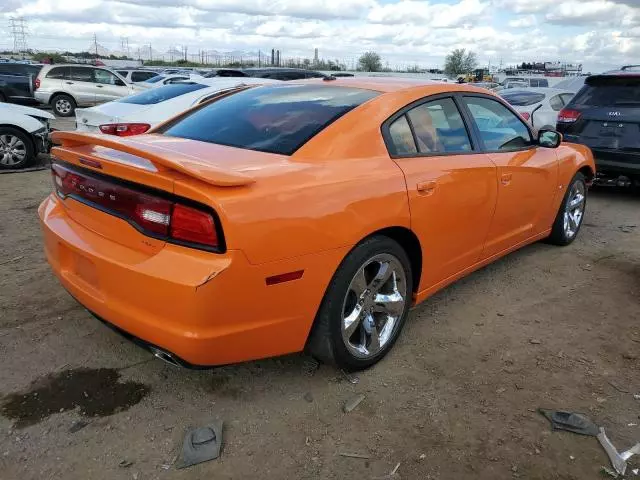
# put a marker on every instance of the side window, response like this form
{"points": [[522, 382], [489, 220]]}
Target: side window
{"points": [[566, 97], [80, 74], [141, 76], [556, 103], [439, 128], [314, 75], [58, 73], [500, 128], [401, 136], [123, 73], [104, 77]]}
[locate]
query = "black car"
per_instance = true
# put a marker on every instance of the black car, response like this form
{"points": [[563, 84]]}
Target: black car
{"points": [[605, 116], [17, 82], [274, 73]]}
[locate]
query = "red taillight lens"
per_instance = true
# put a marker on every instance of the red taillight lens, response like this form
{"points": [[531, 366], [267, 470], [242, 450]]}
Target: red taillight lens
{"points": [[37, 83], [124, 129], [525, 115], [568, 116], [150, 213], [192, 225]]}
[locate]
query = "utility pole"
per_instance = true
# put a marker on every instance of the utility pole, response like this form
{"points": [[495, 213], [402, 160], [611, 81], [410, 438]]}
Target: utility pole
{"points": [[95, 44], [18, 28]]}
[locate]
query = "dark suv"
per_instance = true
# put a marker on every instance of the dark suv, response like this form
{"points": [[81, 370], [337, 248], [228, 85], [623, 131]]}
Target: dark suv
{"points": [[274, 73], [605, 116]]}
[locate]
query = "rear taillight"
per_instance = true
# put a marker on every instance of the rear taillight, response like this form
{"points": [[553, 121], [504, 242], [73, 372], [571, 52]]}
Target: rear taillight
{"points": [[525, 115], [37, 83], [152, 214], [193, 226], [124, 129], [568, 116]]}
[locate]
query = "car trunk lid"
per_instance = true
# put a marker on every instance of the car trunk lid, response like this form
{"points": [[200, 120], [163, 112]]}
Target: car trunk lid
{"points": [[113, 181]]}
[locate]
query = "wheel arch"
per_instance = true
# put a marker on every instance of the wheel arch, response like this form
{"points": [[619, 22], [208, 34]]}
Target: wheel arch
{"points": [[26, 132], [409, 241], [588, 172], [57, 93]]}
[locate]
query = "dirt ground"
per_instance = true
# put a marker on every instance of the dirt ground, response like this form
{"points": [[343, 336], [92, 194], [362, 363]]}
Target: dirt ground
{"points": [[455, 399]]}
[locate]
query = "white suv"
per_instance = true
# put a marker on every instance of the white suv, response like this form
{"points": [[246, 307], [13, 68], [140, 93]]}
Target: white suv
{"points": [[66, 87]]}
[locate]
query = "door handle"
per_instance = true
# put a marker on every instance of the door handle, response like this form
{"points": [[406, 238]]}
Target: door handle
{"points": [[100, 86], [505, 178], [69, 83], [426, 188]]}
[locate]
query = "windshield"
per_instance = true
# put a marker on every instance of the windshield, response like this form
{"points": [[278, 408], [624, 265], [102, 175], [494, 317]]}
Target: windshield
{"points": [[269, 119], [607, 91], [161, 94], [522, 98], [155, 79]]}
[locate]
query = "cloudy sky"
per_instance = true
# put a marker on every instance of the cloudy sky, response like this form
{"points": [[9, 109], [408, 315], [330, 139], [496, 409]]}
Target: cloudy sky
{"points": [[598, 33]]}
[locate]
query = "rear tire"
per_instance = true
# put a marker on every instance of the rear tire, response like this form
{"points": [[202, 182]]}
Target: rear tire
{"points": [[63, 105], [571, 212], [365, 306], [16, 148]]}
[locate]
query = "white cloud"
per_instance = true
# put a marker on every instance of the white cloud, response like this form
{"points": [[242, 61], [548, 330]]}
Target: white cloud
{"points": [[603, 32], [524, 21]]}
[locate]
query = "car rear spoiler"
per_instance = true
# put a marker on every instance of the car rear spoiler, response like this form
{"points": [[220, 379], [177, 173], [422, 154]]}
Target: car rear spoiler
{"points": [[155, 154]]}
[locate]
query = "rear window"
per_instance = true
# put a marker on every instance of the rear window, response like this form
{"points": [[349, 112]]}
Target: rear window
{"points": [[142, 76], [269, 119], [523, 99], [608, 91], [155, 79], [161, 94], [58, 72]]}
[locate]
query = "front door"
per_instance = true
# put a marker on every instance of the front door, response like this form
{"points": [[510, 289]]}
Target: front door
{"points": [[451, 186], [527, 174], [108, 86]]}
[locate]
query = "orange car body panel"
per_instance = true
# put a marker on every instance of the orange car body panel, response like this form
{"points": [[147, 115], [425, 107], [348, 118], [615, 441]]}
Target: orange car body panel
{"points": [[282, 214]]}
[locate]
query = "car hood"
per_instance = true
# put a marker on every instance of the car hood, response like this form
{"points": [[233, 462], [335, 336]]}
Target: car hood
{"points": [[32, 112]]}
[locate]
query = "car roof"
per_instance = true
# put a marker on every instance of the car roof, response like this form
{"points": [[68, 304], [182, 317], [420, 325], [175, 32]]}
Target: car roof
{"points": [[390, 84], [546, 90]]}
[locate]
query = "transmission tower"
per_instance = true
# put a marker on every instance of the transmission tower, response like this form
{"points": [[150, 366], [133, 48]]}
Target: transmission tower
{"points": [[18, 29]]}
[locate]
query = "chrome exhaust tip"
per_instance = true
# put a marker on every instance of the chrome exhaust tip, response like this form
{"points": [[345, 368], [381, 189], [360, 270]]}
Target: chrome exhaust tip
{"points": [[164, 356]]}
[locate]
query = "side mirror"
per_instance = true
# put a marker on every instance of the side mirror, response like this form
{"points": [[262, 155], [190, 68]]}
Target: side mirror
{"points": [[549, 138]]}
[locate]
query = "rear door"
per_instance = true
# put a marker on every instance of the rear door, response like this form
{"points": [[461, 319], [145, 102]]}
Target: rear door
{"points": [[81, 85], [527, 174], [451, 185]]}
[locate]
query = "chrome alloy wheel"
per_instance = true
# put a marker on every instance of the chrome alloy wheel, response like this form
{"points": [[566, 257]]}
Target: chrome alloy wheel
{"points": [[63, 106], [574, 210], [12, 150], [373, 305]]}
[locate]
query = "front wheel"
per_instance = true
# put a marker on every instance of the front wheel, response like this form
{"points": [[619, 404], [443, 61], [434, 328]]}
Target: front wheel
{"points": [[364, 307], [571, 213], [16, 148]]}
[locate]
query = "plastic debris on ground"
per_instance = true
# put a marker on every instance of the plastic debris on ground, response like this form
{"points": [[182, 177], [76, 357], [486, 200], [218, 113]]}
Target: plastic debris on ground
{"points": [[201, 445], [571, 422]]}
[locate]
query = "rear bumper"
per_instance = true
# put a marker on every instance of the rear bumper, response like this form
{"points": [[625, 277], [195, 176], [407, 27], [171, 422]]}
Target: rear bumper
{"points": [[622, 163], [206, 309], [42, 96]]}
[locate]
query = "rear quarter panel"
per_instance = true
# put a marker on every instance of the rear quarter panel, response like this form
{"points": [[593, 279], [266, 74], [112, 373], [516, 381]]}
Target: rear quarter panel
{"points": [[318, 207]]}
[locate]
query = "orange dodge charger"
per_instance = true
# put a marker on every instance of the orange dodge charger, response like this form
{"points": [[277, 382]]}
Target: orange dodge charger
{"points": [[303, 216]]}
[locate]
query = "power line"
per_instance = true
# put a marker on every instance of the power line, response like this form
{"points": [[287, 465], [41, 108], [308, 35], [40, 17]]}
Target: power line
{"points": [[18, 28]]}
